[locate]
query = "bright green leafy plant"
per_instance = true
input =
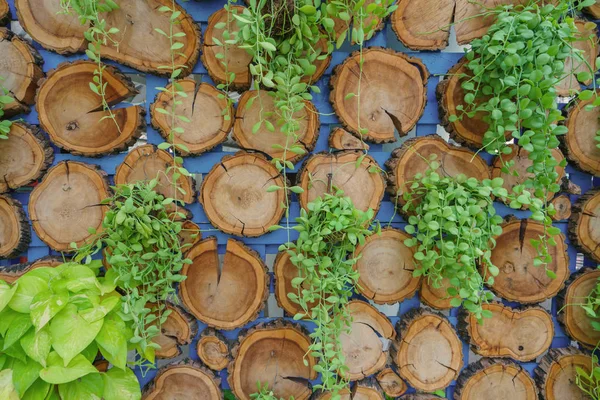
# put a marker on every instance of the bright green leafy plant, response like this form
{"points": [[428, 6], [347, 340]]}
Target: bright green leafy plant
{"points": [[5, 99], [53, 323], [264, 393]]}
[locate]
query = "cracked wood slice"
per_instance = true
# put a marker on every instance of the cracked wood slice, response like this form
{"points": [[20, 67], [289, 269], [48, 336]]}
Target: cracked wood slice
{"points": [[179, 329], [13, 272], [584, 225], [436, 297], [235, 198], [14, 228], [471, 19], [285, 271], [341, 139], [255, 106], [392, 96], [73, 115], [386, 267], [207, 126], [24, 156], [183, 380], [519, 280], [140, 46], [521, 334], [556, 374], [589, 47], [365, 188], [562, 205], [147, 162], [423, 24], [391, 383], [21, 68], [274, 354], [579, 143], [505, 379], [225, 296], [67, 203], [362, 345], [427, 350], [213, 349], [574, 319], [4, 13], [366, 389]]}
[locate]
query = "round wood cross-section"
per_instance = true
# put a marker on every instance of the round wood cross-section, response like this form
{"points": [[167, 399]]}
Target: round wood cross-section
{"points": [[584, 225], [436, 297], [562, 205], [519, 334], [570, 84], [213, 349], [24, 156], [423, 24], [472, 20], [556, 374], [519, 280], [392, 97], [13, 272], [235, 198], [363, 184], [427, 351], [183, 380], [14, 228], [189, 235], [255, 106], [272, 354], [225, 296], [341, 139], [67, 203], [579, 144], [391, 383], [285, 271], [73, 116], [366, 389], [386, 267], [207, 126], [178, 330]]}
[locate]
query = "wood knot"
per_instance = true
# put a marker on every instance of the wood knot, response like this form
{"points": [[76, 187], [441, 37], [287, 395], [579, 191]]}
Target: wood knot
{"points": [[521, 348], [73, 125], [509, 268], [249, 197]]}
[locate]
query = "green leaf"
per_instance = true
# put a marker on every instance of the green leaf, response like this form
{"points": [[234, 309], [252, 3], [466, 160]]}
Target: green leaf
{"points": [[87, 387], [112, 341], [25, 374], [45, 306], [56, 373], [121, 384], [17, 328], [267, 46], [7, 389], [27, 288], [37, 345], [38, 391], [6, 294]]}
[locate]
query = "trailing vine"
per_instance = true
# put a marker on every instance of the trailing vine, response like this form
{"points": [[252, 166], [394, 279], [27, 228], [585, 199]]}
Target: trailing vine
{"points": [[5, 99], [264, 393]]}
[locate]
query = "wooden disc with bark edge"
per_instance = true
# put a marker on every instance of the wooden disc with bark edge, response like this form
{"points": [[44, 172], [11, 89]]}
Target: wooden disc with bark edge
{"points": [[183, 380], [519, 280], [521, 334], [140, 45], [361, 346], [4, 13], [189, 235], [584, 224], [273, 354], [21, 68], [556, 374], [391, 383], [235, 198], [393, 93], [263, 107], [179, 329], [366, 389], [341, 139], [14, 228], [13, 272], [284, 271], [423, 24], [571, 85], [562, 205], [573, 318], [67, 203], [73, 116], [470, 23], [386, 267], [505, 379], [147, 162], [427, 350], [203, 107], [437, 298], [366, 189], [579, 144], [213, 349], [226, 297], [411, 158], [24, 156]]}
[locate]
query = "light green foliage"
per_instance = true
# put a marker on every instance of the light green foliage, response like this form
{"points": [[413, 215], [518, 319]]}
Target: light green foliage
{"points": [[51, 331], [264, 393], [4, 100]]}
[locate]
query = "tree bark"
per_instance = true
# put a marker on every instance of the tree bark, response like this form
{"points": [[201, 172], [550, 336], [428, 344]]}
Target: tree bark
{"points": [[214, 349], [423, 24], [584, 225], [11, 273], [183, 380], [340, 139], [179, 329], [562, 205], [570, 85], [556, 374], [190, 235], [14, 228], [391, 383], [579, 144], [437, 298]]}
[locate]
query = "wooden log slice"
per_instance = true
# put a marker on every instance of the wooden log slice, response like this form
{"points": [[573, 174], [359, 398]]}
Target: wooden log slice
{"points": [[101, 365], [522, 162], [427, 350], [213, 349], [4, 13], [284, 272], [519, 280], [423, 24], [584, 225], [589, 47], [436, 297], [190, 235], [272, 354], [204, 109], [386, 267], [579, 144], [140, 45], [391, 383], [179, 329], [235, 198], [471, 21], [562, 205], [521, 334], [73, 116], [20, 68], [505, 379], [67, 203], [366, 389], [255, 106], [556, 374], [341, 139], [574, 319], [365, 188], [412, 158], [594, 10], [227, 296], [361, 346], [11, 273], [420, 396], [183, 380], [392, 96], [147, 162], [24, 156], [14, 228]]}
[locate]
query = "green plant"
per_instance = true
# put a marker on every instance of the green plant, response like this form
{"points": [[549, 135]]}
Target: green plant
{"points": [[5, 99], [264, 393], [53, 322]]}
